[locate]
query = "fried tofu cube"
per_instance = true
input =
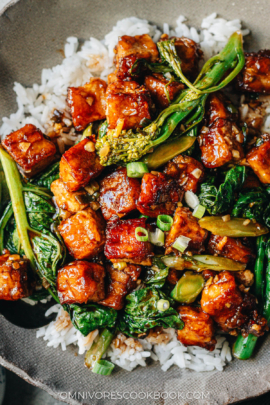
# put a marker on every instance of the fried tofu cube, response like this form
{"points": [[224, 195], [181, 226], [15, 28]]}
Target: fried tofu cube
{"points": [[184, 224], [198, 330], [14, 279], [87, 103], [159, 87], [232, 311], [67, 200], [232, 248], [80, 282], [220, 142], [79, 165], [159, 195], [189, 53], [121, 282], [221, 296], [122, 245], [83, 234], [259, 160], [118, 194], [187, 170], [30, 149], [129, 49], [255, 75], [128, 103], [245, 278]]}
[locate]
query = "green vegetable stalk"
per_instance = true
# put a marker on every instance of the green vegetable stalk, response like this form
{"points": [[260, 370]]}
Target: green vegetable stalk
{"points": [[188, 287], [189, 106], [259, 268], [94, 354], [33, 217], [244, 346], [202, 262]]}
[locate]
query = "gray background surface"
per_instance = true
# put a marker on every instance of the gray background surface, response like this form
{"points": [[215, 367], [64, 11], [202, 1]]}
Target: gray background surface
{"points": [[56, 370]]}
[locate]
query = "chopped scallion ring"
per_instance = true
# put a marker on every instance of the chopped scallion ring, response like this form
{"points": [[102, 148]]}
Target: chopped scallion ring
{"points": [[181, 243], [141, 234], [103, 367], [163, 305], [164, 222], [157, 238], [143, 216], [191, 199], [199, 211], [136, 169]]}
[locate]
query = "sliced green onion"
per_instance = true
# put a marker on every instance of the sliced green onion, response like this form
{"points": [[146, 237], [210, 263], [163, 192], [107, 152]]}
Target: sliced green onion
{"points": [[191, 199], [143, 216], [157, 237], [144, 236], [164, 222], [181, 243], [199, 211], [103, 367], [163, 305], [136, 169]]}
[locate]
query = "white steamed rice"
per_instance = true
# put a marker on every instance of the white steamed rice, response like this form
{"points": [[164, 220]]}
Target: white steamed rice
{"points": [[36, 105], [129, 353]]}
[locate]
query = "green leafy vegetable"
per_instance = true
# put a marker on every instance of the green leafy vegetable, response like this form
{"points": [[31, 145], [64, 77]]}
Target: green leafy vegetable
{"points": [[156, 275], [218, 201], [46, 179], [187, 109], [88, 317], [254, 205], [28, 231], [141, 313]]}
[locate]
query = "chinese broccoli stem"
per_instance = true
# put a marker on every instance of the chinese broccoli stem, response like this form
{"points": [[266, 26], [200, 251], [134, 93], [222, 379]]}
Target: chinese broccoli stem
{"points": [[16, 195], [98, 348], [244, 346]]}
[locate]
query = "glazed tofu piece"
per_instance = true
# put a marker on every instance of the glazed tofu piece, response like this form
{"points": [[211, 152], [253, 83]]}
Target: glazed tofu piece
{"points": [[79, 165], [232, 310], [30, 149], [159, 195], [129, 49], [87, 103], [255, 76], [232, 248], [184, 224], [162, 91], [128, 104], [259, 160], [121, 282], [80, 282], [122, 245], [187, 171], [221, 295], [118, 194], [14, 279], [198, 330], [244, 278], [67, 200], [83, 234], [220, 142], [189, 53]]}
